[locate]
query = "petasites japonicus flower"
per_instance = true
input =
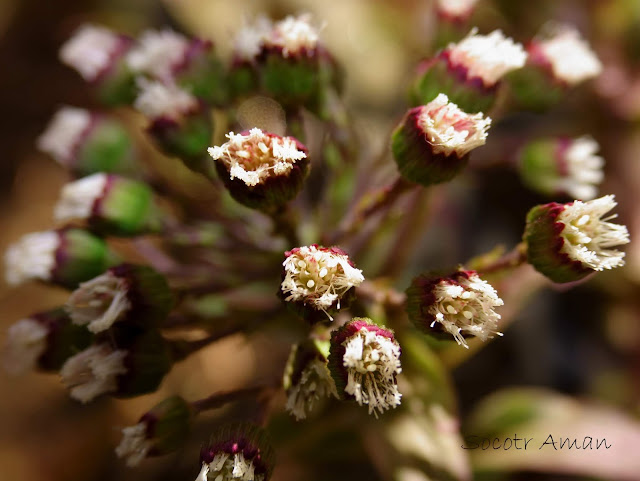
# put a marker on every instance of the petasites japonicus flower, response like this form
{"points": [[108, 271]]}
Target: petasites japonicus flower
{"points": [[119, 366], [135, 294], [65, 256], [86, 142], [161, 430], [567, 242], [559, 59], [110, 204], [44, 340], [261, 170], [237, 453], [294, 67], [317, 279], [433, 142], [562, 166], [98, 55], [470, 71], [564, 55], [307, 378], [458, 305], [364, 361], [456, 11], [180, 124]]}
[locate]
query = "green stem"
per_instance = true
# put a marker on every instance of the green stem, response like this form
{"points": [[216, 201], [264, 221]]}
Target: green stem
{"points": [[182, 349], [284, 223], [515, 258], [219, 399], [380, 200]]}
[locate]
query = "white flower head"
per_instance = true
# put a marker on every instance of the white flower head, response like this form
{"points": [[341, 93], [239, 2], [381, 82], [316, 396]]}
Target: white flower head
{"points": [[250, 38], [157, 53], [450, 130], [318, 276], [588, 237], [91, 50], [372, 361], [78, 198], [229, 467], [294, 35], [583, 169], [26, 342], [163, 100], [100, 302], [64, 133], [488, 57], [32, 257], [465, 304], [569, 55], [135, 444], [315, 382], [255, 156], [93, 372], [456, 8]]}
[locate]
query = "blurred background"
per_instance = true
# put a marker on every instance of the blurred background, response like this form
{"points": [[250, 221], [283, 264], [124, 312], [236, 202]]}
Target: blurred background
{"points": [[580, 344]]}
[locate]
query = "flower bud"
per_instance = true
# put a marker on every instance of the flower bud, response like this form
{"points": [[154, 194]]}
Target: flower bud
{"points": [[261, 170], [558, 60], [289, 61], [134, 294], [202, 73], [244, 76], [98, 55], [364, 361], [316, 280], [180, 126], [294, 67], [237, 452], [122, 369], [85, 142], [110, 204], [161, 430], [565, 55], [44, 340], [460, 305], [64, 256], [470, 71], [562, 166], [307, 377], [171, 57], [567, 242], [455, 11], [433, 142]]}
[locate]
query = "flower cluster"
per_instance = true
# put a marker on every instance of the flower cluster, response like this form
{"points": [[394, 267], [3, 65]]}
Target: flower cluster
{"points": [[485, 57], [563, 166], [433, 142], [255, 156], [318, 277], [448, 129], [460, 305], [307, 378], [365, 360], [142, 251], [292, 36], [566, 54], [239, 453], [566, 242]]}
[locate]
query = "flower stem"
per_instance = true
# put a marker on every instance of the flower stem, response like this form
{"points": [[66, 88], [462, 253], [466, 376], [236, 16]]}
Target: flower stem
{"points": [[515, 258], [372, 202], [182, 349], [219, 399], [284, 223]]}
